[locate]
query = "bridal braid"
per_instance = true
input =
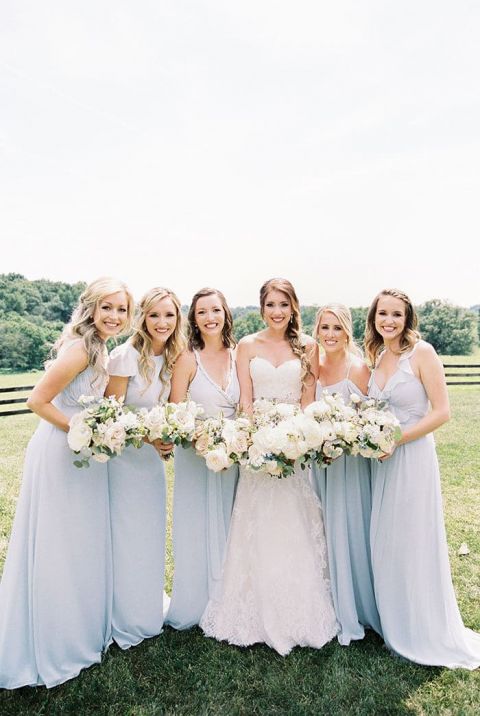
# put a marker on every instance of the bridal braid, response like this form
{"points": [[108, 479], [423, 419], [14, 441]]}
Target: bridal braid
{"points": [[410, 335], [294, 330], [142, 341]]}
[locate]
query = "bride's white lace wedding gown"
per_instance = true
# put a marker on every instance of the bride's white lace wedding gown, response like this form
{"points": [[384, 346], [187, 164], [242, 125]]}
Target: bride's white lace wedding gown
{"points": [[275, 586]]}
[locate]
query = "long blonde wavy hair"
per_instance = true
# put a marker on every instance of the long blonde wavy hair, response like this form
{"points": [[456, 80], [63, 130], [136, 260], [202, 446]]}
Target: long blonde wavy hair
{"points": [[81, 324], [343, 315], [373, 339], [142, 342], [293, 332]]}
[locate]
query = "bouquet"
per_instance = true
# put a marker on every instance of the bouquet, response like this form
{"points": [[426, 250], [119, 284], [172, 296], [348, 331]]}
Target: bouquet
{"points": [[281, 435], [171, 422], [337, 430], [377, 428], [103, 429], [223, 442]]}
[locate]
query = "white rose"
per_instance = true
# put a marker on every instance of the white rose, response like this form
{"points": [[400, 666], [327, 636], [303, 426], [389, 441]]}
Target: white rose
{"points": [[129, 420], [356, 399], [286, 410], [114, 437], [79, 435], [217, 460], [273, 468], [255, 456]]}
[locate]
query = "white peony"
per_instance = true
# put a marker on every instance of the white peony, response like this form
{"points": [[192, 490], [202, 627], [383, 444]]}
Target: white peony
{"points": [[114, 437], [79, 435], [217, 460]]}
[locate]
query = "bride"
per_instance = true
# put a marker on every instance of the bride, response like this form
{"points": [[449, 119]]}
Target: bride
{"points": [[275, 586]]}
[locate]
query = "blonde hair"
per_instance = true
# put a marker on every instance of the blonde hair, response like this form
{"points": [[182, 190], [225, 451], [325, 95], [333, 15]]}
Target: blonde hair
{"points": [[293, 332], [81, 324], [343, 315], [373, 339], [142, 341]]}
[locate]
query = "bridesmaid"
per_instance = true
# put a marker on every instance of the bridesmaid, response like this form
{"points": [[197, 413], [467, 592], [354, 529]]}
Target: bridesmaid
{"points": [[140, 372], [411, 571], [56, 592], [344, 487], [203, 500]]}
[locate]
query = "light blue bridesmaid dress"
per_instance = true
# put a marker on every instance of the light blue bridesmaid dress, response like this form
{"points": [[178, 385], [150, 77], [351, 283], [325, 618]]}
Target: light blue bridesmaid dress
{"points": [[413, 585], [56, 591], [138, 514], [202, 507], [344, 489]]}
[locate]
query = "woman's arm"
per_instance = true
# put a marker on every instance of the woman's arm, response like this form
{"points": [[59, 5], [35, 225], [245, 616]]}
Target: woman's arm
{"points": [[360, 375], [431, 373], [117, 386], [183, 374], [244, 356], [310, 384], [62, 371]]}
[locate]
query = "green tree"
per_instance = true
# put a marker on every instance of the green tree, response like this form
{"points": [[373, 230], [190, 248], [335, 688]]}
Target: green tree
{"points": [[452, 330], [247, 323]]}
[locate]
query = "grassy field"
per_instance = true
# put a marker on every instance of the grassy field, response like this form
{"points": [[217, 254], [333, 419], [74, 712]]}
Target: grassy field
{"points": [[185, 673]]}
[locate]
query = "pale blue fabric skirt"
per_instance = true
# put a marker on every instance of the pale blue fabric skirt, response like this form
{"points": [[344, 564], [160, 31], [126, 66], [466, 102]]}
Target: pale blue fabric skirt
{"points": [[56, 591], [138, 516], [202, 507], [344, 489], [413, 585]]}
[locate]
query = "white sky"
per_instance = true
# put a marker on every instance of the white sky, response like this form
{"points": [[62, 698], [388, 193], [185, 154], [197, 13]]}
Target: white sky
{"points": [[221, 143]]}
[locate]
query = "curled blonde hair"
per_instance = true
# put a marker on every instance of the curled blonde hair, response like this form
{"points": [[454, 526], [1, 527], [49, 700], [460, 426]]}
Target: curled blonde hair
{"points": [[81, 324], [293, 332], [142, 341], [343, 315], [410, 335]]}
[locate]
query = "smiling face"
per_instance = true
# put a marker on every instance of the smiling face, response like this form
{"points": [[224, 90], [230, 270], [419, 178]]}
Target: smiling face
{"points": [[331, 333], [209, 315], [111, 314], [277, 310], [390, 318], [160, 321]]}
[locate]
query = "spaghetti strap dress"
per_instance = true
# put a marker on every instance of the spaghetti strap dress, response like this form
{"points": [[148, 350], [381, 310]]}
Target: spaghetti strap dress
{"points": [[56, 590], [413, 586], [345, 491], [137, 492], [202, 507]]}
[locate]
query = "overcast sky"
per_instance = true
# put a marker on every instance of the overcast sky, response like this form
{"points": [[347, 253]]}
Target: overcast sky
{"points": [[215, 142]]}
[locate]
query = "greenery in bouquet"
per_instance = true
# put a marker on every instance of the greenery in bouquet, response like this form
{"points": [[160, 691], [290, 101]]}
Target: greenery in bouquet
{"points": [[103, 429], [172, 422], [378, 428], [223, 442]]}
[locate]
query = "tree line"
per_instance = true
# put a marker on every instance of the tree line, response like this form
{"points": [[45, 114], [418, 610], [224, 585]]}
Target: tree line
{"points": [[32, 314]]}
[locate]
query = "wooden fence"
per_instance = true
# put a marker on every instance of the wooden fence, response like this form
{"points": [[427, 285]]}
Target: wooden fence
{"points": [[461, 377]]}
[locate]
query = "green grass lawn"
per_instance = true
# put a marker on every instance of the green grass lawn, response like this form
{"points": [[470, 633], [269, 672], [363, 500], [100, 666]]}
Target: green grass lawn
{"points": [[185, 673]]}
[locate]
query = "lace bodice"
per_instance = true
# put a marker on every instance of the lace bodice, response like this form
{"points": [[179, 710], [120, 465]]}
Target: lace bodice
{"points": [[281, 383]]}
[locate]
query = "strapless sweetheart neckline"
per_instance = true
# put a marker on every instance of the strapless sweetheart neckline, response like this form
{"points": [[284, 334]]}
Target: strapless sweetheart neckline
{"points": [[275, 367]]}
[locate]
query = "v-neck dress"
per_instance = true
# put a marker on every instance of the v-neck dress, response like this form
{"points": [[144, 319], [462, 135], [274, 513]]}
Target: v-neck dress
{"points": [[413, 586], [202, 507], [345, 491]]}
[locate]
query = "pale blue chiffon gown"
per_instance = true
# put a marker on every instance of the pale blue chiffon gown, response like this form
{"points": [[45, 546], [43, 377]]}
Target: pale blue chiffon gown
{"points": [[413, 586], [138, 515], [56, 591], [202, 507], [344, 489]]}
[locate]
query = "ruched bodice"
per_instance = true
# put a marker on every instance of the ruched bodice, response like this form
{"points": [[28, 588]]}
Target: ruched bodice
{"points": [[405, 393], [213, 399], [281, 383], [88, 382]]}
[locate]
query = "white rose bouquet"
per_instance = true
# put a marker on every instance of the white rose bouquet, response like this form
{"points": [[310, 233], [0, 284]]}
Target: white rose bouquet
{"points": [[102, 430], [223, 442], [377, 428], [172, 422], [335, 431], [280, 436]]}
